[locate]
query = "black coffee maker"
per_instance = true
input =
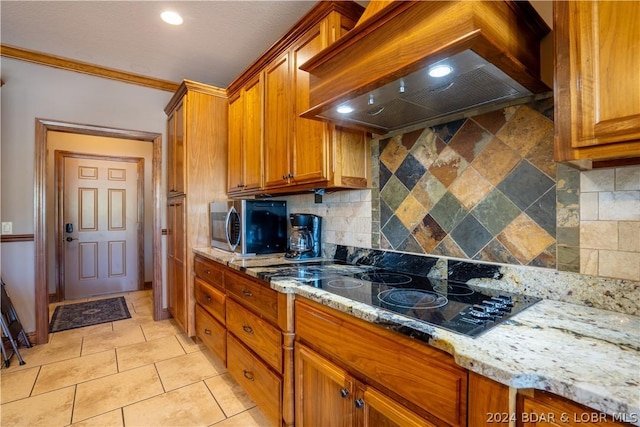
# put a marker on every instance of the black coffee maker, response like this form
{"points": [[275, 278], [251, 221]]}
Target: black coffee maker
{"points": [[304, 241]]}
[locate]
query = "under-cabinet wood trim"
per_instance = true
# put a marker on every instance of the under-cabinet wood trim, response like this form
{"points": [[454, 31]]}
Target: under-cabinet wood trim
{"points": [[12, 238]]}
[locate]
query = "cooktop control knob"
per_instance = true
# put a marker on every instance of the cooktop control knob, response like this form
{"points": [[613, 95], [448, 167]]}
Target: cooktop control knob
{"points": [[481, 312], [503, 299], [498, 305]]}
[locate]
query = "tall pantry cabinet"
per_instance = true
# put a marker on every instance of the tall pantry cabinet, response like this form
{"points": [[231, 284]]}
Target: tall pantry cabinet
{"points": [[196, 175]]}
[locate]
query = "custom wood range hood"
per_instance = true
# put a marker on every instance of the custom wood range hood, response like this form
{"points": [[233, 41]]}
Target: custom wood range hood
{"points": [[378, 73]]}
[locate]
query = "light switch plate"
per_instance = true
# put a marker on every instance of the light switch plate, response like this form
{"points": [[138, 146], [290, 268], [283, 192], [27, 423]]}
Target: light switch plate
{"points": [[7, 228]]}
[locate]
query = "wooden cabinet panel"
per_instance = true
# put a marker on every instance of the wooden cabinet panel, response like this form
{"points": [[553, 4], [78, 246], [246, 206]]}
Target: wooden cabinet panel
{"points": [[211, 332], [176, 151], [210, 272], [211, 299], [262, 338], [536, 408], [427, 377], [262, 385], [176, 257], [277, 126], [374, 409], [324, 391], [597, 98], [257, 296], [235, 166]]}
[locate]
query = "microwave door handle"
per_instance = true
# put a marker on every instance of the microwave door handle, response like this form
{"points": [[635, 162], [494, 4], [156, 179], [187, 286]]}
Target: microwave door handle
{"points": [[227, 222]]}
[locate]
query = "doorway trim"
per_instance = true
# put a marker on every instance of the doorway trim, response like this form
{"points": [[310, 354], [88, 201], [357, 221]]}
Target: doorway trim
{"points": [[43, 126], [59, 171]]}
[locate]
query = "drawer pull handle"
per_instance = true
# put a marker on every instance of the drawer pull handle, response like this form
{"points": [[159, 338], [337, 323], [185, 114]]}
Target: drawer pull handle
{"points": [[247, 329], [248, 374], [344, 392], [207, 331], [359, 403], [246, 293], [208, 271], [207, 297]]}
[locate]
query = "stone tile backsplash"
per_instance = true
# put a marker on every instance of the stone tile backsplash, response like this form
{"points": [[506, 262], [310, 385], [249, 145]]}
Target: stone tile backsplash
{"points": [[610, 222]]}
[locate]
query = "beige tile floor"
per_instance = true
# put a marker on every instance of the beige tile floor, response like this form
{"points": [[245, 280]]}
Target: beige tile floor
{"points": [[133, 372]]}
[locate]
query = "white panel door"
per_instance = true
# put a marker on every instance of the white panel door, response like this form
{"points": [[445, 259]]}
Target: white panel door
{"points": [[101, 243]]}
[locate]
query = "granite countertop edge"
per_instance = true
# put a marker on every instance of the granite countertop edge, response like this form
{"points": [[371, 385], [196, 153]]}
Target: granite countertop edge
{"points": [[590, 356]]}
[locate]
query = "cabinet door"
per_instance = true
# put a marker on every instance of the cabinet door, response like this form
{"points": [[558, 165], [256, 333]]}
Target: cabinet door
{"points": [[277, 129], [374, 409], [310, 156], [324, 391], [597, 79], [176, 150], [252, 135], [176, 265], [235, 171]]}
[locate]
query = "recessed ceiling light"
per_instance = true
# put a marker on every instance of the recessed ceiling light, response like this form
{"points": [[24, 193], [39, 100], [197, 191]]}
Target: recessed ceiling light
{"points": [[440, 71], [171, 17], [344, 109]]}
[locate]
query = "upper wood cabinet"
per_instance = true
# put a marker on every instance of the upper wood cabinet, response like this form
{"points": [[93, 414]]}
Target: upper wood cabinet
{"points": [[297, 154], [597, 83], [197, 119], [245, 138]]}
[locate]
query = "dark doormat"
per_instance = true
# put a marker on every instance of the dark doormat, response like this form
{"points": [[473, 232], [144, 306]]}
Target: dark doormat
{"points": [[88, 313]]}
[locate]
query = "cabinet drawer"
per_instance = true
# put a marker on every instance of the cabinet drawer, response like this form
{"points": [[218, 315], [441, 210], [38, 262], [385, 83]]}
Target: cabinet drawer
{"points": [[412, 372], [262, 385], [210, 298], [259, 297], [209, 271], [212, 333], [264, 339]]}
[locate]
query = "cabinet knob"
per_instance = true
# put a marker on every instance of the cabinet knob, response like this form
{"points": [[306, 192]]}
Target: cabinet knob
{"points": [[284, 176], [344, 392], [248, 375], [247, 329], [290, 176], [246, 293], [207, 297], [208, 271], [359, 403], [207, 331]]}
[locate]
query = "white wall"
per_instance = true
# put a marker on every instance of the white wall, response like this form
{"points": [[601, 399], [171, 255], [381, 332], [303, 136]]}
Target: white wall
{"points": [[34, 91]]}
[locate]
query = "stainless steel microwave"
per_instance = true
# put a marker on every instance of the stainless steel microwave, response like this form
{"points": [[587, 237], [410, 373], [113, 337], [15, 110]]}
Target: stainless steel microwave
{"points": [[249, 227]]}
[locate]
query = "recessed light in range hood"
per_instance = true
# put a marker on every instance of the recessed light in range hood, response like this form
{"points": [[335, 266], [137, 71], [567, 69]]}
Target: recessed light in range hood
{"points": [[379, 71]]}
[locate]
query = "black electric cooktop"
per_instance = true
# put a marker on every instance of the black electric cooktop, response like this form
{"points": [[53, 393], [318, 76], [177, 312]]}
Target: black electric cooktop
{"points": [[458, 307]]}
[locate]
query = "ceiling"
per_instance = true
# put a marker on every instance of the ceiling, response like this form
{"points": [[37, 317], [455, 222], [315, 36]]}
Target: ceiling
{"points": [[216, 42]]}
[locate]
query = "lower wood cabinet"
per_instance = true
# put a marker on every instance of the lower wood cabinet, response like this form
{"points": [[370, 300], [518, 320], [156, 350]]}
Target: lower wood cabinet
{"points": [[212, 333], [386, 379]]}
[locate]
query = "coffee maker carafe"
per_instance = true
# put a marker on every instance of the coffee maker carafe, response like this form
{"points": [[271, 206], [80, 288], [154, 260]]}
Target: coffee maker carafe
{"points": [[304, 241]]}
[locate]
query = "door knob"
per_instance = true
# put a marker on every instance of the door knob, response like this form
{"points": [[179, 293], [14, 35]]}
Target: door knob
{"points": [[69, 239]]}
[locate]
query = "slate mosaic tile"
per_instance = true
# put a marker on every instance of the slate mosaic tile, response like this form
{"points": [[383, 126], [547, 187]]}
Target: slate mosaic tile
{"points": [[524, 129], [470, 236], [470, 188], [447, 247], [394, 232], [393, 153], [525, 185], [448, 212], [382, 144], [410, 172], [446, 131], [385, 212], [394, 193], [491, 121], [525, 239], [567, 255], [384, 243], [428, 233], [541, 155], [410, 212], [495, 212], [494, 251], [410, 245], [384, 175], [428, 191], [470, 140], [410, 138], [546, 259], [448, 166], [428, 148], [568, 236], [496, 161], [543, 211]]}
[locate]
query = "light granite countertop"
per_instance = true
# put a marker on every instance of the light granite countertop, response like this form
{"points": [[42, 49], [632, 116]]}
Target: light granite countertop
{"points": [[588, 355]]}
